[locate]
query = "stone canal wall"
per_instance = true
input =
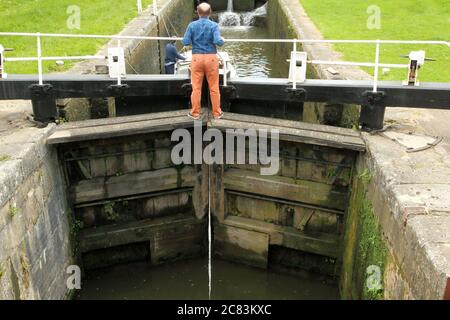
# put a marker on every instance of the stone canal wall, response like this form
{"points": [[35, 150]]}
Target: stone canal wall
{"points": [[279, 27], [398, 222], [34, 228]]}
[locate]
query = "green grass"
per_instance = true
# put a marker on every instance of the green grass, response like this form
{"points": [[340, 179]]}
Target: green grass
{"points": [[13, 211], [50, 16], [400, 20], [5, 157]]}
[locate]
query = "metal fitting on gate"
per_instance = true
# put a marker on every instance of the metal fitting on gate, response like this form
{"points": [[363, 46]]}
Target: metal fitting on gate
{"points": [[116, 63], [297, 67], [416, 61], [3, 74]]}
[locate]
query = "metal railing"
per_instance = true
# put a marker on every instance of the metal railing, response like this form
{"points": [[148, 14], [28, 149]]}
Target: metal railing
{"points": [[295, 42]]}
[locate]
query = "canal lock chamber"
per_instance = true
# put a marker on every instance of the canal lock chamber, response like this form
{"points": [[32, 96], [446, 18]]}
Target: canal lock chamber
{"points": [[132, 204]]}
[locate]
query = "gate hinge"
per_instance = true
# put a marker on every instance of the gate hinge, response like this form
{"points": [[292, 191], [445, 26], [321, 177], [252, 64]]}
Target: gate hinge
{"points": [[228, 92], [296, 95], [118, 90], [37, 89], [187, 89], [374, 98]]}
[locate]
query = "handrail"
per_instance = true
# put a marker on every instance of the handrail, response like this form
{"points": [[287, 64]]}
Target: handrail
{"points": [[122, 37], [294, 42]]}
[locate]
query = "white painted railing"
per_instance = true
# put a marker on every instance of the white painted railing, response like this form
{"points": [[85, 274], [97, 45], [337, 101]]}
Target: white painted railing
{"points": [[376, 65]]}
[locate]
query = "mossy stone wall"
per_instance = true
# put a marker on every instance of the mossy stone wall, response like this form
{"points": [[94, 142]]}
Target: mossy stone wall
{"points": [[365, 252]]}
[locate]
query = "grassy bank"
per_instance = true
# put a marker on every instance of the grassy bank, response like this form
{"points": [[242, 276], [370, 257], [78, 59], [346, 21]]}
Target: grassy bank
{"points": [[50, 16], [400, 20]]}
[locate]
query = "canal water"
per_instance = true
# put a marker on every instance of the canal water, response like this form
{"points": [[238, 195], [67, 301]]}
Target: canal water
{"points": [[189, 280], [254, 59]]}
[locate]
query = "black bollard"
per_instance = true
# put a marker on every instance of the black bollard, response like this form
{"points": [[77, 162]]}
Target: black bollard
{"points": [[44, 103], [372, 112]]}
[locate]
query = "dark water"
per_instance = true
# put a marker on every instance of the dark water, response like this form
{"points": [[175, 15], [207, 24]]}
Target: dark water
{"points": [[254, 59], [189, 280]]}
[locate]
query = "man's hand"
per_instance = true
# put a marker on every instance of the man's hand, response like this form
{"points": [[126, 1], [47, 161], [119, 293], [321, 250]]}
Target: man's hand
{"points": [[223, 39]]}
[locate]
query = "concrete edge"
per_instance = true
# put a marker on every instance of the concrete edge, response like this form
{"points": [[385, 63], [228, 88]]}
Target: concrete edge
{"points": [[404, 228], [25, 158]]}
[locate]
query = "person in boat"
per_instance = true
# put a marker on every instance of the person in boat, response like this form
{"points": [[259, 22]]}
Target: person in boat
{"points": [[172, 56], [204, 35]]}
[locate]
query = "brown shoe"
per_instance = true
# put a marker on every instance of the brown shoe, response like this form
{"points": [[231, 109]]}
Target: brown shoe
{"points": [[219, 116], [190, 115]]}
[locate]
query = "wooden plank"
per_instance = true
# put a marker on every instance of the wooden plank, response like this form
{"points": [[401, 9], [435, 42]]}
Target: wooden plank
{"points": [[119, 120], [290, 215], [217, 189], [200, 193], [181, 242], [256, 209], [309, 192], [136, 231], [62, 135], [312, 242], [291, 124], [131, 184], [236, 244], [301, 218], [297, 135]]}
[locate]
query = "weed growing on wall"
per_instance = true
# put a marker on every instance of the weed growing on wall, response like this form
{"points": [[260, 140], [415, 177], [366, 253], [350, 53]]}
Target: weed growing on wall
{"points": [[371, 252]]}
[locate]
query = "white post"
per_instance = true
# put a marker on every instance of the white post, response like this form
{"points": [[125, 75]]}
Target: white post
{"points": [[119, 79], [294, 81], [139, 6], [225, 71], [39, 56], [155, 8], [2, 62], [377, 65]]}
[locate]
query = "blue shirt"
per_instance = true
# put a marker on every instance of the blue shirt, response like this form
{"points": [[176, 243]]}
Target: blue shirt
{"points": [[172, 55], [203, 35]]}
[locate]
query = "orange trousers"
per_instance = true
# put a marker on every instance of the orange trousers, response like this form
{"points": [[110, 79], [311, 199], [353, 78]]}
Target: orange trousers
{"points": [[205, 65]]}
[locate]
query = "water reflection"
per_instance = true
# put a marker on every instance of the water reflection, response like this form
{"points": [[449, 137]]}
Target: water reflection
{"points": [[189, 280]]}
